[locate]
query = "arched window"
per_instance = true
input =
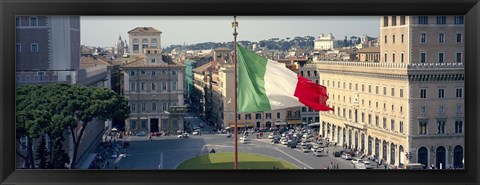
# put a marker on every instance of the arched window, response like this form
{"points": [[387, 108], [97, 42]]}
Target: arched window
{"points": [[135, 45], [144, 43], [440, 158], [154, 43], [458, 157], [392, 154]]}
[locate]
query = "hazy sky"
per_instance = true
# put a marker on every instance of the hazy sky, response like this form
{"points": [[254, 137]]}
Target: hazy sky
{"points": [[103, 31]]}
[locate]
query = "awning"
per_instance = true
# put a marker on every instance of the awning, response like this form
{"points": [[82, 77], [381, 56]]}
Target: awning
{"points": [[280, 123], [294, 121]]}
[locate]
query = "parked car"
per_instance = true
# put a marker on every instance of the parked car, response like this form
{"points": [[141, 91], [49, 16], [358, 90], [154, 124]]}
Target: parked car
{"points": [[195, 133], [184, 135], [292, 144], [367, 164], [347, 156], [305, 150], [360, 166], [274, 141], [141, 133], [337, 154], [284, 141], [271, 136]]}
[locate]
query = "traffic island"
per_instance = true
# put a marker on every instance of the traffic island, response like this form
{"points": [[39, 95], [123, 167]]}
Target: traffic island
{"points": [[225, 161]]}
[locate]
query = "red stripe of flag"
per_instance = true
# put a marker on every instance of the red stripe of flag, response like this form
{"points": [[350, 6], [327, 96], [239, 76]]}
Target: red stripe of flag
{"points": [[311, 94]]}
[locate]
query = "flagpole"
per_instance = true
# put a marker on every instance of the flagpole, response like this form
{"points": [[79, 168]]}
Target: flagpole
{"points": [[235, 130]]}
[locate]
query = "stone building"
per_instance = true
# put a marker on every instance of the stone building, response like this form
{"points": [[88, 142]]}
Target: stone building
{"points": [[408, 108]]}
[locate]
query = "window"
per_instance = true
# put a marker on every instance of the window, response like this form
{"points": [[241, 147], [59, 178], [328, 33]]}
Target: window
{"points": [[142, 86], [441, 57], [402, 20], [393, 57], [459, 57], [132, 73], [459, 93], [154, 86], [385, 57], [401, 93], [440, 127], [154, 73], [268, 115], [338, 84], [393, 91], [401, 57], [144, 124], [33, 21], [459, 37], [441, 109], [422, 127], [401, 126], [393, 38], [401, 38], [133, 124], [459, 109], [441, 93], [132, 86], [423, 57], [34, 48], [154, 106], [239, 117], [369, 88], [441, 37], [278, 115], [350, 86], [392, 125], [386, 39], [394, 21], [385, 21], [248, 116], [174, 72], [423, 93], [153, 60], [423, 37], [133, 107], [154, 43], [308, 73], [458, 127], [258, 116], [174, 86], [142, 72], [363, 117], [422, 19], [441, 20], [369, 119], [164, 86], [144, 43], [363, 87], [458, 19], [164, 106], [401, 108], [376, 89], [135, 45], [18, 22], [18, 48], [376, 121], [315, 74], [143, 107], [423, 110], [356, 87], [384, 91]]}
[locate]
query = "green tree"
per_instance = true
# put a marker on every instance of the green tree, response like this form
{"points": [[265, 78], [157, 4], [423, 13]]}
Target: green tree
{"points": [[42, 154]]}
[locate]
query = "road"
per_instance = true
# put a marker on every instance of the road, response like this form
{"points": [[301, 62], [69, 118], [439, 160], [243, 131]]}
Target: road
{"points": [[167, 152]]}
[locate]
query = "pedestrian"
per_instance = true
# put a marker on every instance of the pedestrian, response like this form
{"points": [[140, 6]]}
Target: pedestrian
{"points": [[337, 166]]}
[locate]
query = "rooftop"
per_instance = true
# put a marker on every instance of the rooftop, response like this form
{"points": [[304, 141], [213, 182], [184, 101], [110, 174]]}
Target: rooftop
{"points": [[144, 30]]}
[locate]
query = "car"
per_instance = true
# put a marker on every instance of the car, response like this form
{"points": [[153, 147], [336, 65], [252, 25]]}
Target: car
{"points": [[271, 136], [354, 161], [244, 138], [346, 156], [360, 166], [244, 141], [284, 142], [303, 143], [292, 144], [317, 153], [195, 133], [337, 154], [367, 164], [305, 150], [141, 133], [274, 141], [184, 135]]}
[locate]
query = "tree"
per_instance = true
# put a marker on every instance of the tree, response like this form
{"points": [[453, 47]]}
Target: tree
{"points": [[42, 154]]}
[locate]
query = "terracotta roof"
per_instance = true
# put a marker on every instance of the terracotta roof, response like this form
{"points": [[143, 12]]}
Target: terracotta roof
{"points": [[144, 30], [369, 50], [87, 62]]}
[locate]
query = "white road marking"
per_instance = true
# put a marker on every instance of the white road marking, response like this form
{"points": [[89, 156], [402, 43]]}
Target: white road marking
{"points": [[160, 164], [294, 158]]}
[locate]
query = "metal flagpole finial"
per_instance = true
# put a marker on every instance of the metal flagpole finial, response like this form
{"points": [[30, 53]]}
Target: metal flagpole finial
{"points": [[235, 25]]}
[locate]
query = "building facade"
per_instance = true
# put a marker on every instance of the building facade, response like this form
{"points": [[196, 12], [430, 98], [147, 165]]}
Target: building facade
{"points": [[155, 91], [141, 38], [408, 108]]}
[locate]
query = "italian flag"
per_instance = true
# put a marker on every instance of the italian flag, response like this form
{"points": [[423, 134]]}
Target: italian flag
{"points": [[265, 85]]}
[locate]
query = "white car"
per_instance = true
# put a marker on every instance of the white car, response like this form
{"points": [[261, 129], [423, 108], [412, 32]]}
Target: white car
{"points": [[195, 133], [284, 141], [360, 166], [318, 153], [355, 161], [367, 165], [270, 136], [305, 150], [346, 156], [184, 135]]}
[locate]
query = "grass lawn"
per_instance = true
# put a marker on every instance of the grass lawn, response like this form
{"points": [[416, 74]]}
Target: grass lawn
{"points": [[225, 161]]}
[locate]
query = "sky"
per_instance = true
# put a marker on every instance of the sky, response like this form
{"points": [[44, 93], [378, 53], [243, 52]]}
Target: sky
{"points": [[103, 31]]}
